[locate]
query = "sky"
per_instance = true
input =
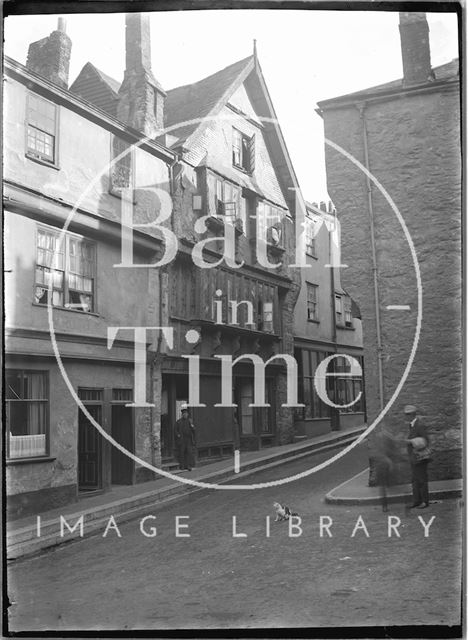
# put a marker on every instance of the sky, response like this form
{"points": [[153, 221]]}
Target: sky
{"points": [[306, 56]]}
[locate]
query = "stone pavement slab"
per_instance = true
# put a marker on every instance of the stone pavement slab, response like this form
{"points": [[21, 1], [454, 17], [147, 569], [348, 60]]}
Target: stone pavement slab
{"points": [[357, 491]]}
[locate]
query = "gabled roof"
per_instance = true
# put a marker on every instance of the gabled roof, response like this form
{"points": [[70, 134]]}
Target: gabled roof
{"points": [[197, 100], [447, 71], [113, 84], [97, 87]]}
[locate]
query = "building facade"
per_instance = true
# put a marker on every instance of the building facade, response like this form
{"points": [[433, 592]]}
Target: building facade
{"points": [[58, 175], [327, 324], [407, 134]]}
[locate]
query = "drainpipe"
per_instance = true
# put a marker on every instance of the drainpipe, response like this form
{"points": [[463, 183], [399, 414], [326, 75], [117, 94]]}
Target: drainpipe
{"points": [[334, 412], [361, 107]]}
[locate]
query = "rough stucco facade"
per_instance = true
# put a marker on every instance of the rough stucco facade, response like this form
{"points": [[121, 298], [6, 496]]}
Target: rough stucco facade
{"points": [[39, 196], [413, 139]]}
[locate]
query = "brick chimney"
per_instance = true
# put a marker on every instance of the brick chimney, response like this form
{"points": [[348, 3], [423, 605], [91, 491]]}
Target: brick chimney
{"points": [[415, 50], [50, 57], [141, 97]]}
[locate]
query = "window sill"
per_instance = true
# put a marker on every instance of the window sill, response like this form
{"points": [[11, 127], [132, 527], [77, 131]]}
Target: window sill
{"points": [[242, 170], [82, 313], [45, 163], [345, 328], [314, 321], [14, 461]]}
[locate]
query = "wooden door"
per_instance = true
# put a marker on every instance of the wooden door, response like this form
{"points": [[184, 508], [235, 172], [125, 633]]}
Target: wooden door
{"points": [[122, 432], [89, 450]]}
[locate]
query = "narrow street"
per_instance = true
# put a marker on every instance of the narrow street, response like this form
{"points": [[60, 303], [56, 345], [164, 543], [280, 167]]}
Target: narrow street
{"points": [[212, 579]]}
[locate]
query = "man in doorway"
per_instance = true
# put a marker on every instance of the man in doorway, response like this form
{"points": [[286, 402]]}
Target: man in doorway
{"points": [[185, 440], [419, 457]]}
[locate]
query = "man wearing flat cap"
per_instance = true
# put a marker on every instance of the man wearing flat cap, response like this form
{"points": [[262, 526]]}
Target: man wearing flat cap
{"points": [[418, 443]]}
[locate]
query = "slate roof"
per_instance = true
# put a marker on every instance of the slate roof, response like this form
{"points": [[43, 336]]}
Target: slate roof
{"points": [[445, 71], [188, 102], [194, 101]]}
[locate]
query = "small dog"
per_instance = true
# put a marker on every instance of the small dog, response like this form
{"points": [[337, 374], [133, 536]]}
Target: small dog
{"points": [[282, 512]]}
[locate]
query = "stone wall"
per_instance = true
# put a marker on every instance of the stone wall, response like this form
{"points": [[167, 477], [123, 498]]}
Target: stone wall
{"points": [[414, 152]]}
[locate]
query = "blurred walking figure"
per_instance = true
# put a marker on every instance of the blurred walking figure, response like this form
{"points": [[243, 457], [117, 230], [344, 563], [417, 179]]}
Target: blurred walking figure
{"points": [[185, 440], [386, 455], [419, 455]]}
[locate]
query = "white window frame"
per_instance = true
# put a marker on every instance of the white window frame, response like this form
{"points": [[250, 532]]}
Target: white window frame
{"points": [[30, 152], [64, 268], [312, 312], [243, 151], [28, 445]]}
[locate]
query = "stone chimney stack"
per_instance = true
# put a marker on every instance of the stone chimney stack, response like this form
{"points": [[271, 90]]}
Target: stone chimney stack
{"points": [[141, 97], [50, 57], [415, 50]]}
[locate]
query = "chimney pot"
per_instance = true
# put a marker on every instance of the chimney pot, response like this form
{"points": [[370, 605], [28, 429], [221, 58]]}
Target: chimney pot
{"points": [[62, 25], [415, 49]]}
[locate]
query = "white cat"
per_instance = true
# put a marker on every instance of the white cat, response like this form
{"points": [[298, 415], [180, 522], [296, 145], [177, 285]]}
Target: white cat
{"points": [[282, 512]]}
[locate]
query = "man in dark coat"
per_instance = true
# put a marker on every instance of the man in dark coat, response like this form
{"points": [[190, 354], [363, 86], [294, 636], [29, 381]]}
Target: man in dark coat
{"points": [[185, 440], [417, 429]]}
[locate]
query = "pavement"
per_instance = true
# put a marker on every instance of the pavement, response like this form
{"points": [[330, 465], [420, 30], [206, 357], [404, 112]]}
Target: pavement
{"points": [[128, 502], [357, 491]]}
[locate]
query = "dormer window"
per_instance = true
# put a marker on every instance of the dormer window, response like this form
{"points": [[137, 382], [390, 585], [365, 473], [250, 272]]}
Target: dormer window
{"points": [[243, 151]]}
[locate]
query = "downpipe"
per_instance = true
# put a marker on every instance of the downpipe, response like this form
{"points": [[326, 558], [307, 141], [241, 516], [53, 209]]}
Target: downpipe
{"points": [[361, 107]]}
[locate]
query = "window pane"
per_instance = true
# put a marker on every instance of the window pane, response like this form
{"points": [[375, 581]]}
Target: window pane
{"points": [[27, 418], [90, 394], [27, 446], [41, 143], [306, 363], [79, 301], [40, 295], [308, 399], [122, 395], [18, 418], [357, 388], [13, 385], [57, 299], [34, 386]]}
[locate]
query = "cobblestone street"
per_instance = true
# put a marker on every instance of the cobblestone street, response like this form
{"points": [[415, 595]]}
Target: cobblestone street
{"points": [[213, 579]]}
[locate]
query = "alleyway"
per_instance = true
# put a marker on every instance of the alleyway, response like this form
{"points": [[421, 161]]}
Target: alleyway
{"points": [[214, 580]]}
